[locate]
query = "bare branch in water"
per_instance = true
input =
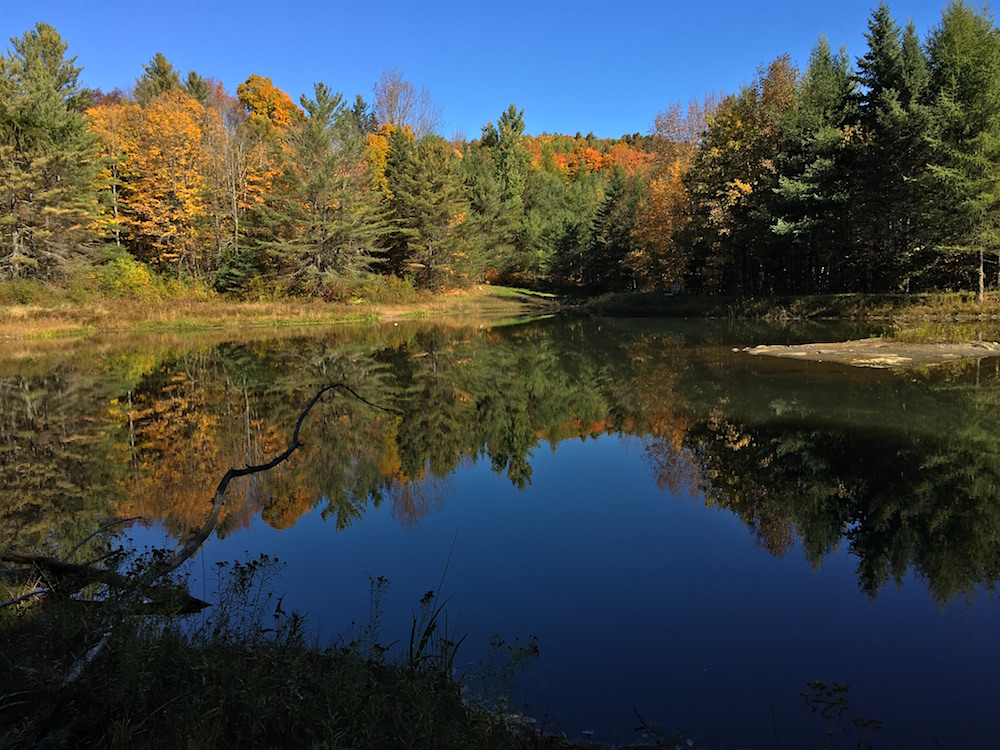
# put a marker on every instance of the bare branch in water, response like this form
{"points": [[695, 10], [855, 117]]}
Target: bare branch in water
{"points": [[199, 537], [138, 589]]}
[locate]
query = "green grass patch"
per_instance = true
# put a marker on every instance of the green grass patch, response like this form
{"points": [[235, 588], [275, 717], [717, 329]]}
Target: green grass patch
{"points": [[62, 333], [515, 292]]}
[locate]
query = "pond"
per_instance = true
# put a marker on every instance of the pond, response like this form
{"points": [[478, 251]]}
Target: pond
{"points": [[695, 537]]}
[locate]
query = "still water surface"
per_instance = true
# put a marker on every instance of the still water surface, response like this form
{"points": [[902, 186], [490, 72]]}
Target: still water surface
{"points": [[692, 534]]}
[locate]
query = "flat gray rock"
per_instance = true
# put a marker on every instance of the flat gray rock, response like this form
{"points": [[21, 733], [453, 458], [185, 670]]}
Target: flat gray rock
{"points": [[884, 353]]}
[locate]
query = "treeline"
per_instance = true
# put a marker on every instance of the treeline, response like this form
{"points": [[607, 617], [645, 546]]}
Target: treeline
{"points": [[881, 174], [252, 193]]}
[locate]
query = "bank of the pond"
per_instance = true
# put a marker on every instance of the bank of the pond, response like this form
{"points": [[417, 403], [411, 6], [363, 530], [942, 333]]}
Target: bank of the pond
{"points": [[239, 682], [63, 317], [895, 308], [68, 314]]}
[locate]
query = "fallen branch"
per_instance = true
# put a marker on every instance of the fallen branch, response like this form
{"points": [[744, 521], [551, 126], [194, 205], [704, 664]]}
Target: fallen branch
{"points": [[142, 587], [23, 597], [199, 538]]}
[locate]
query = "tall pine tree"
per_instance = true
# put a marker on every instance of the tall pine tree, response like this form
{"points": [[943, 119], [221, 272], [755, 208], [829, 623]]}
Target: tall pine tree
{"points": [[889, 156], [963, 54], [48, 159], [811, 213]]}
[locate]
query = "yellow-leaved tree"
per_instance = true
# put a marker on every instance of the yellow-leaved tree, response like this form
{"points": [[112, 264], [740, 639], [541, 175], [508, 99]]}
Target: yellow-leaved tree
{"points": [[164, 199]]}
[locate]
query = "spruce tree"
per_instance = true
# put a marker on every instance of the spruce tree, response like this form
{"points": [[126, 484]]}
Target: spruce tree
{"points": [[888, 155], [341, 214], [157, 78], [47, 159], [811, 213], [606, 267], [427, 209], [964, 98]]}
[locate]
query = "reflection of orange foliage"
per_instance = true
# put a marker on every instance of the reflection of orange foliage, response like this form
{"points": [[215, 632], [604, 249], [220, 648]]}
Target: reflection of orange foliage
{"points": [[752, 501], [674, 466], [414, 500], [178, 459], [389, 464], [665, 425], [664, 422], [283, 512], [182, 448], [674, 470]]}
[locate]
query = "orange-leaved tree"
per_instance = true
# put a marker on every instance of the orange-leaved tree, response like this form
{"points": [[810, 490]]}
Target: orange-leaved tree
{"points": [[166, 185], [660, 257], [116, 125]]}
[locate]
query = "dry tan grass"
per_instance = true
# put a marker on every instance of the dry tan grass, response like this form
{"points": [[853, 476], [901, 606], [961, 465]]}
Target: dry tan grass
{"points": [[114, 316]]}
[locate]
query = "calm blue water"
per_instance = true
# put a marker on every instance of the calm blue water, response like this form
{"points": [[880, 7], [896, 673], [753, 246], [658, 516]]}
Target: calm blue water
{"points": [[646, 602], [730, 528]]}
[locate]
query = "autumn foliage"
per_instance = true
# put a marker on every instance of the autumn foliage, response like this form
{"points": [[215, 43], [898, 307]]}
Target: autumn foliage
{"points": [[879, 174]]}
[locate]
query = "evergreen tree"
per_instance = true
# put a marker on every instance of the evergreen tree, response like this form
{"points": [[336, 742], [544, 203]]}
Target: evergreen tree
{"points": [[511, 163], [888, 157], [197, 87], [341, 215], [964, 96], [606, 267], [48, 159], [811, 213], [158, 77], [488, 234], [427, 209], [365, 121]]}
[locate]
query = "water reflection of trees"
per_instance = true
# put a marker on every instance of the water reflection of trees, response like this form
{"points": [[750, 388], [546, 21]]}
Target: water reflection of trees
{"points": [[829, 464], [56, 473], [903, 473]]}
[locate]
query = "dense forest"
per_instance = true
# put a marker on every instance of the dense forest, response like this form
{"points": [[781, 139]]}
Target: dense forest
{"points": [[879, 173]]}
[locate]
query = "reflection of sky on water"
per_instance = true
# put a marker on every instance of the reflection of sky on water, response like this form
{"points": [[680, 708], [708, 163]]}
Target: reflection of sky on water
{"points": [[643, 602]]}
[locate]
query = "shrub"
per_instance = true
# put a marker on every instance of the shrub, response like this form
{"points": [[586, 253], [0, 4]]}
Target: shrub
{"points": [[372, 289], [23, 292], [124, 276]]}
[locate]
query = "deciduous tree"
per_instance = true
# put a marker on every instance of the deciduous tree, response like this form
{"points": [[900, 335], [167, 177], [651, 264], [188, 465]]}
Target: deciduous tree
{"points": [[166, 185], [397, 102]]}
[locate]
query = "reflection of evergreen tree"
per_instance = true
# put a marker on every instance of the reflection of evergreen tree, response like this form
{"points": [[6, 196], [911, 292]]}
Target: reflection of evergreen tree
{"points": [[55, 442], [907, 497]]}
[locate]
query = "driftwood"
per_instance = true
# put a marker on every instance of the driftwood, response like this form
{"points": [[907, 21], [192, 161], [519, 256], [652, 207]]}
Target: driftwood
{"points": [[144, 592], [68, 578]]}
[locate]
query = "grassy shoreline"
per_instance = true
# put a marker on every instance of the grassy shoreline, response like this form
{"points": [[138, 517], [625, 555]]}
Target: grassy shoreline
{"points": [[65, 315], [61, 317]]}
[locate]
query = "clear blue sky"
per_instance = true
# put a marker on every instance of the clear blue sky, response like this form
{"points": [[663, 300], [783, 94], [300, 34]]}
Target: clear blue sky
{"points": [[586, 65]]}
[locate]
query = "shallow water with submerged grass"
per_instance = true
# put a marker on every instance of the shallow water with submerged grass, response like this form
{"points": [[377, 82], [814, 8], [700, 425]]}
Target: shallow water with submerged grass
{"points": [[692, 534]]}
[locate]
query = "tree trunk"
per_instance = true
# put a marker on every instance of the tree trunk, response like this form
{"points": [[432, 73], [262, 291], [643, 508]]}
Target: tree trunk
{"points": [[982, 276]]}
